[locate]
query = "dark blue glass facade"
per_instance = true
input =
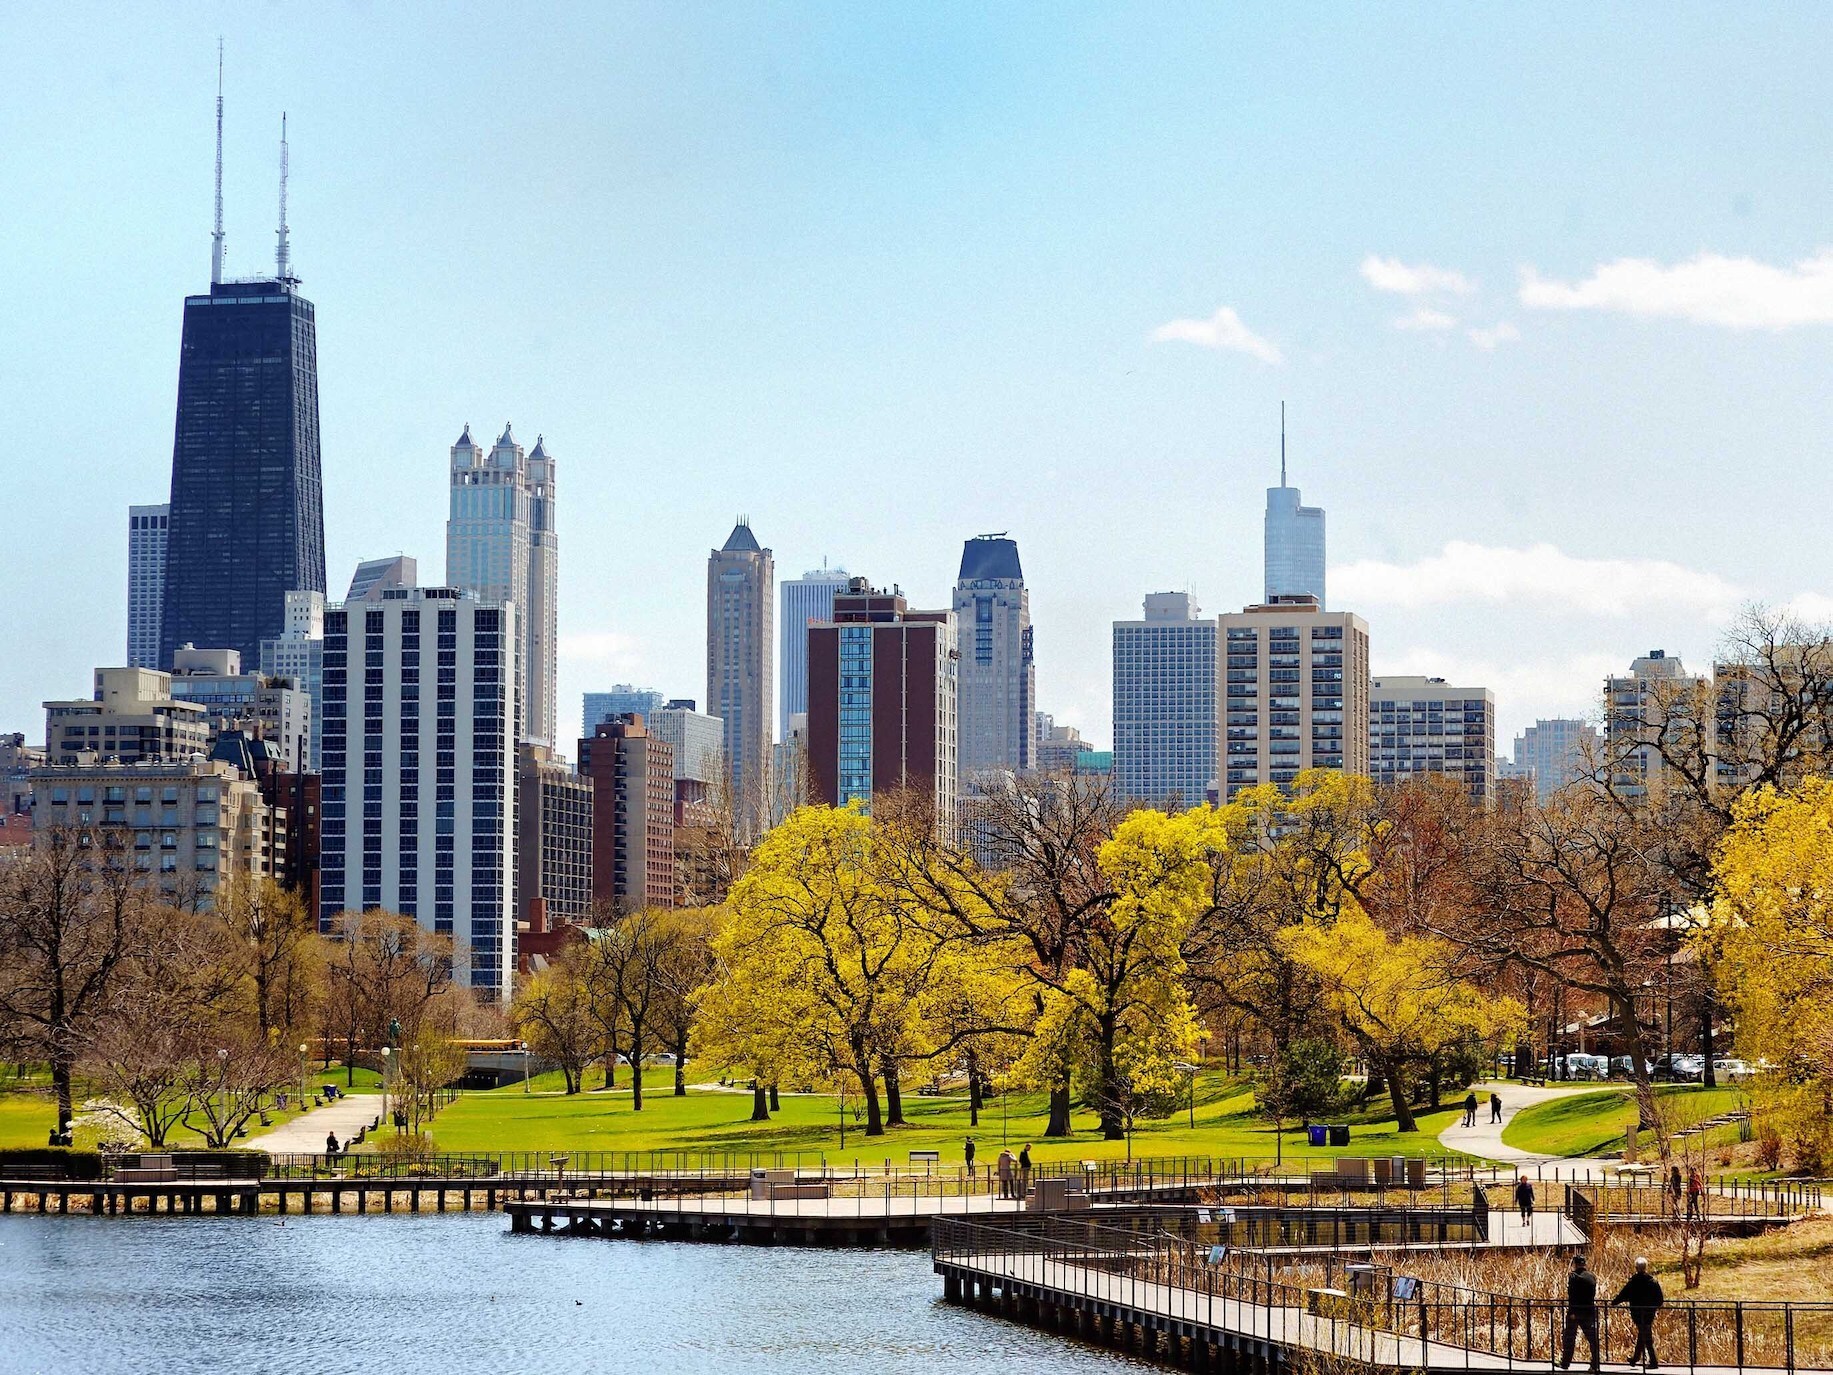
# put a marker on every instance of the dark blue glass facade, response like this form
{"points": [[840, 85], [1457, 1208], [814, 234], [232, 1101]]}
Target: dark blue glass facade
{"points": [[247, 520]]}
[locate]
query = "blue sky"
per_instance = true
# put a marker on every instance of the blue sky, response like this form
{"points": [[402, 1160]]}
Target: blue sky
{"points": [[886, 278]]}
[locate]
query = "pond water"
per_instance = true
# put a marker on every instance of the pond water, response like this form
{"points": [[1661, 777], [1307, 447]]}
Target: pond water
{"points": [[458, 1294]]}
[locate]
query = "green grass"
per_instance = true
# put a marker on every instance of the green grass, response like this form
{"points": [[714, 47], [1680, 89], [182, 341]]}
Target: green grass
{"points": [[28, 1113], [1591, 1123], [710, 1120]]}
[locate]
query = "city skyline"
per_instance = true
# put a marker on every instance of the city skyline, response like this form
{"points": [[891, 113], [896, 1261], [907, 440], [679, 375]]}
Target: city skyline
{"points": [[1502, 577]]}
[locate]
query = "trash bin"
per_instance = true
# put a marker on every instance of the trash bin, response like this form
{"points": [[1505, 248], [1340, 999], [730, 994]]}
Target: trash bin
{"points": [[1339, 1135], [1318, 1135]]}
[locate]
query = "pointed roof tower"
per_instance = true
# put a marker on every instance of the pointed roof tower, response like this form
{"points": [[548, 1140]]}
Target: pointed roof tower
{"points": [[741, 540], [464, 440]]}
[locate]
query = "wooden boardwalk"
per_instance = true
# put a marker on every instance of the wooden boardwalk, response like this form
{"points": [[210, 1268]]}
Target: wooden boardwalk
{"points": [[1207, 1330], [865, 1218]]}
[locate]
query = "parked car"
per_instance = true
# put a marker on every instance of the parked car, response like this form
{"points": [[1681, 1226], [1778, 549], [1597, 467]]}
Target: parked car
{"points": [[1623, 1067], [1732, 1069]]}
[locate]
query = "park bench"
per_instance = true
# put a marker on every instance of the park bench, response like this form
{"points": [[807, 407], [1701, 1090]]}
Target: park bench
{"points": [[776, 1185], [928, 1159]]}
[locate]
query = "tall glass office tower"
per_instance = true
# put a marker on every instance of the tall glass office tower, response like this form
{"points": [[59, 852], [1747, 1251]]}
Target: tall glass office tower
{"points": [[806, 600], [1294, 545], [247, 519]]}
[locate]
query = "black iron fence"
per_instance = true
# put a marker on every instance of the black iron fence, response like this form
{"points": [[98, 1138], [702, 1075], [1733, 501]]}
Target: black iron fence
{"points": [[1372, 1314]]}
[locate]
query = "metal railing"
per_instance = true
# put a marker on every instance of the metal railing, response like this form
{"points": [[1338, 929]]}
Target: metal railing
{"points": [[1385, 1319]]}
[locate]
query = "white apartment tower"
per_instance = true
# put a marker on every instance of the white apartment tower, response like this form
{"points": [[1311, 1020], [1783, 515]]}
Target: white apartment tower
{"points": [[419, 756], [146, 537], [1167, 731], [298, 652], [501, 544], [998, 681], [1656, 689], [806, 600], [1297, 692], [1425, 725]]}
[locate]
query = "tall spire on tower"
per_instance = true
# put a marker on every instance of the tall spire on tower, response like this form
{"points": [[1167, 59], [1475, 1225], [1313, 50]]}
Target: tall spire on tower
{"points": [[216, 237], [1282, 444], [284, 272]]}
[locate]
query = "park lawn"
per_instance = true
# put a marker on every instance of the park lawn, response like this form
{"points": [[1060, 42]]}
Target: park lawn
{"points": [[28, 1114], [711, 1120], [1589, 1123]]}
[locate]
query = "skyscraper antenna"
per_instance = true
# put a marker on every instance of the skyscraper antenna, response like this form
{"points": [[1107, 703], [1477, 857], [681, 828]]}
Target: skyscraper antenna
{"points": [[281, 258], [216, 237], [1282, 444]]}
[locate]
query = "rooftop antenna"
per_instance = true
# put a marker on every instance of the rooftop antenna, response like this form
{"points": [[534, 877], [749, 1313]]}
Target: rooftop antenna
{"points": [[1282, 444], [216, 237], [285, 271]]}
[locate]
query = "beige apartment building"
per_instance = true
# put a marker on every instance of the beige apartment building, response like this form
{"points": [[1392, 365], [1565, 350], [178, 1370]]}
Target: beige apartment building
{"points": [[1295, 692]]}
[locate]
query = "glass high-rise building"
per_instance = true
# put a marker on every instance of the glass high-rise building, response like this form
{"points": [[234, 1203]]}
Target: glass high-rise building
{"points": [[998, 710], [740, 675], [806, 600], [1167, 730], [247, 509], [1294, 548]]}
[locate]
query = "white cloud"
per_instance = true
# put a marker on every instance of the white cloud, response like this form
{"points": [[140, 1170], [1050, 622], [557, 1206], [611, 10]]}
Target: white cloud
{"points": [[1541, 576], [1223, 330], [1500, 333], [1426, 318], [1739, 293], [1422, 279]]}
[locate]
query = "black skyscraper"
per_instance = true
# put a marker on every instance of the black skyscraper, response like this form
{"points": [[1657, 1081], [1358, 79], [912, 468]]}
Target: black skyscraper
{"points": [[247, 523]]}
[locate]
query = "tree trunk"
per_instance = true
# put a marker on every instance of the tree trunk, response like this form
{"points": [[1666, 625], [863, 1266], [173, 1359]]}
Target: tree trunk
{"points": [[1059, 1111], [636, 1083], [1397, 1095], [894, 1096], [875, 1122], [1524, 1058], [760, 1101], [973, 1090], [1434, 1081], [61, 1069], [1708, 1077], [776, 1100], [681, 1063]]}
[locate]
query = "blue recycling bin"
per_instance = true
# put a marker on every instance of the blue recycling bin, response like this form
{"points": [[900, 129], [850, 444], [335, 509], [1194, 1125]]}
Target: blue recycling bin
{"points": [[1317, 1134]]}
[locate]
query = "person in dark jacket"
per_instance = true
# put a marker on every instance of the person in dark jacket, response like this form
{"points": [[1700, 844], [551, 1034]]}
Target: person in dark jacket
{"points": [[967, 1154], [1495, 1107], [1642, 1293], [1524, 1200], [330, 1143], [1581, 1313], [1470, 1108], [1024, 1171]]}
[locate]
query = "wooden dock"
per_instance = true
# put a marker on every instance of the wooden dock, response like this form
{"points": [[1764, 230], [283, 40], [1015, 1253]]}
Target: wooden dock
{"points": [[332, 1194], [1125, 1293], [864, 1219]]}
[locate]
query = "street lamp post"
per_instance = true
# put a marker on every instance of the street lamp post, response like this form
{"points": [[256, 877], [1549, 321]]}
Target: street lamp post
{"points": [[523, 1046], [1190, 1073], [305, 1071], [388, 1053]]}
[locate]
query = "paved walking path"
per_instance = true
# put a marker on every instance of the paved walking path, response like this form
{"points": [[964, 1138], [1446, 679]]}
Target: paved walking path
{"points": [[305, 1134], [1485, 1139]]}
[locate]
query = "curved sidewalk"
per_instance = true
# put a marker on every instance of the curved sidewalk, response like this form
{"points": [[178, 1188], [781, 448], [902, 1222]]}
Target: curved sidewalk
{"points": [[305, 1134], [1485, 1139]]}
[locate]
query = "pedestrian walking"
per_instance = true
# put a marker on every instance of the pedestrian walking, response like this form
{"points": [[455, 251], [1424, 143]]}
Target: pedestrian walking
{"points": [[1495, 1107], [1581, 1313], [1676, 1190], [1524, 1200], [1470, 1108], [967, 1153], [1024, 1171], [1696, 1189], [1642, 1293], [1005, 1168]]}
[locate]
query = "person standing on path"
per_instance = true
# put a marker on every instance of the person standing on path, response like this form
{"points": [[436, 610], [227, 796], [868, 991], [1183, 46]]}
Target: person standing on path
{"points": [[1676, 1190], [967, 1153], [1495, 1106], [1524, 1200], [1581, 1313], [1470, 1108], [1024, 1171], [1696, 1189], [1005, 1174], [1642, 1292]]}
